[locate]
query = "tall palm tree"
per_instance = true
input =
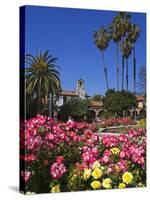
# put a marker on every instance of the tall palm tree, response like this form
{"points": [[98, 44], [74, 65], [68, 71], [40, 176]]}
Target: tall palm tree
{"points": [[42, 76], [124, 27], [133, 35], [127, 49], [101, 39], [123, 59], [116, 35]]}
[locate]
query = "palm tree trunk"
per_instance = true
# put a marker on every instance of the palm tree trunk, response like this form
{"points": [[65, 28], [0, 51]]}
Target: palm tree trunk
{"points": [[39, 97], [122, 72], [117, 67], [127, 74], [134, 71], [105, 70], [50, 105]]}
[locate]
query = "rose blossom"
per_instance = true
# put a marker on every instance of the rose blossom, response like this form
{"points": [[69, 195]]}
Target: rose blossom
{"points": [[59, 159], [57, 170], [26, 175]]}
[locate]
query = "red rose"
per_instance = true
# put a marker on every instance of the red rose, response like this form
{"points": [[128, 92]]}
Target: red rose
{"points": [[59, 159]]}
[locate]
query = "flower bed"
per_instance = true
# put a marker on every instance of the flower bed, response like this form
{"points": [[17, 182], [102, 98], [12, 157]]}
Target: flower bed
{"points": [[124, 121], [119, 129], [73, 157]]}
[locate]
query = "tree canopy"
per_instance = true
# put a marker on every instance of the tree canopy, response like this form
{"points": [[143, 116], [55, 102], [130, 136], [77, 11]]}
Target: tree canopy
{"points": [[75, 108], [97, 97], [41, 76], [118, 102]]}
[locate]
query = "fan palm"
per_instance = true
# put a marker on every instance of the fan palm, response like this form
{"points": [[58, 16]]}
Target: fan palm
{"points": [[124, 23], [101, 39], [123, 29], [133, 35], [126, 51], [42, 76], [116, 36]]}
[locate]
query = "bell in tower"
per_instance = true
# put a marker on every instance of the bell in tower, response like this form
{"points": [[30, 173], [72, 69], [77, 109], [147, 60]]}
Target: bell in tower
{"points": [[80, 88]]}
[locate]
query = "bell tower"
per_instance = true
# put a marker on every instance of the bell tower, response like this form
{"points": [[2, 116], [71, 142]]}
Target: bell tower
{"points": [[80, 90]]}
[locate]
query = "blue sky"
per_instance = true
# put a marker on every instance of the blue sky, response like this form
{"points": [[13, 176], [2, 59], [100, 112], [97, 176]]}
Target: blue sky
{"points": [[68, 35]]}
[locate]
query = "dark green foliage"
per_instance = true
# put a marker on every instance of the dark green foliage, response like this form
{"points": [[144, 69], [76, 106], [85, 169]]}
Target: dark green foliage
{"points": [[41, 78], [118, 102], [97, 97], [76, 108]]}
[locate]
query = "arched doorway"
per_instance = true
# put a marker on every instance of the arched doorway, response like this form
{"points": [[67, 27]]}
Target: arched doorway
{"points": [[128, 113], [142, 113], [92, 115], [100, 113], [135, 113]]}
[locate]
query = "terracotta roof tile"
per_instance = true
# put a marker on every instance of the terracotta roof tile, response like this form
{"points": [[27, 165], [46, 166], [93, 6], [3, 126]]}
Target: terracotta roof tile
{"points": [[68, 93], [95, 103], [140, 98]]}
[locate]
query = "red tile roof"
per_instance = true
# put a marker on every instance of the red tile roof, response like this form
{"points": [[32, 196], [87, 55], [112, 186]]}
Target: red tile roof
{"points": [[68, 93], [95, 103], [140, 98]]}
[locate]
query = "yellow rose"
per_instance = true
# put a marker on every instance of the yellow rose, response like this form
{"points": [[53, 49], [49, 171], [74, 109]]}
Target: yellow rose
{"points": [[127, 177], [55, 188], [96, 164], [96, 185], [97, 173], [107, 183], [122, 185], [87, 174], [115, 150]]}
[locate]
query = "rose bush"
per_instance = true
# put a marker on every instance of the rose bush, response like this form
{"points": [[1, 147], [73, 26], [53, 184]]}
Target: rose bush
{"points": [[58, 156], [124, 121]]}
